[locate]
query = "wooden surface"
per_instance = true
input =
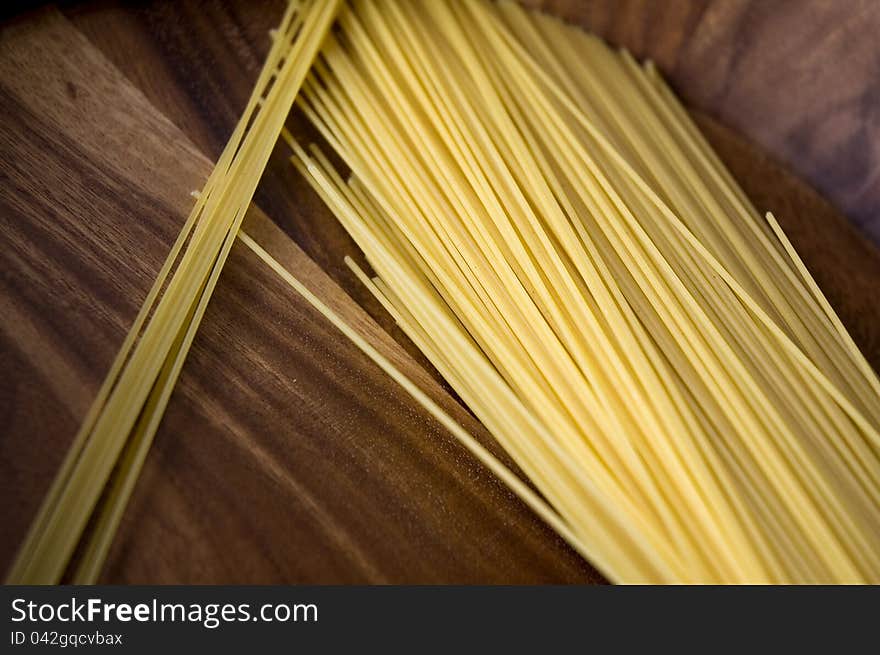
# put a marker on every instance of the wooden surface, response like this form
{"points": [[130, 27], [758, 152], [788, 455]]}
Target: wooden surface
{"points": [[285, 455]]}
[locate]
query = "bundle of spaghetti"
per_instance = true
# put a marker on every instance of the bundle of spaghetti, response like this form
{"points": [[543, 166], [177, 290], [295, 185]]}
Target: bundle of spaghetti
{"points": [[112, 443], [551, 230]]}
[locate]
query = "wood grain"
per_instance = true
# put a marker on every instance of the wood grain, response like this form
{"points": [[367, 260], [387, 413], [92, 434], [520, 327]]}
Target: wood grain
{"points": [[285, 455], [82, 239]]}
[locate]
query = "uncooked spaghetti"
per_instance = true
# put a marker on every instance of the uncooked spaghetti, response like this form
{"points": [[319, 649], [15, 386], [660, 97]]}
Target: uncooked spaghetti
{"points": [[550, 229]]}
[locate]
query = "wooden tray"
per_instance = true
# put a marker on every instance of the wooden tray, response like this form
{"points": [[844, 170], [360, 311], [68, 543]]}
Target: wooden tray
{"points": [[285, 455]]}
